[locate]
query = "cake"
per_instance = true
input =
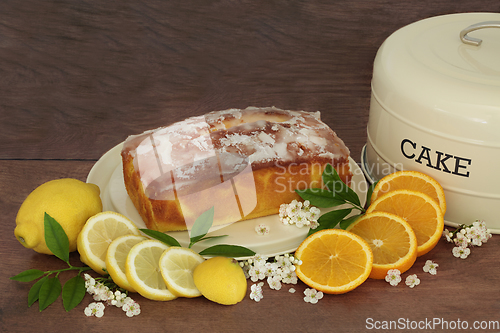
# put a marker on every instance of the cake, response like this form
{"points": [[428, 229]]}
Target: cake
{"points": [[243, 163]]}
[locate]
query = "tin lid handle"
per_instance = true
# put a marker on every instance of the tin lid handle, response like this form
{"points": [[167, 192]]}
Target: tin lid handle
{"points": [[476, 41]]}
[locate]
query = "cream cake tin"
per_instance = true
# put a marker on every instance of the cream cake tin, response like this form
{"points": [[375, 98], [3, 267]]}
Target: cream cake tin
{"points": [[435, 108]]}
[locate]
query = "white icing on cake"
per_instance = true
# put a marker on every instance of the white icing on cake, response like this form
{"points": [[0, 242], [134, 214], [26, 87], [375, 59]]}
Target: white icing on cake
{"points": [[222, 143]]}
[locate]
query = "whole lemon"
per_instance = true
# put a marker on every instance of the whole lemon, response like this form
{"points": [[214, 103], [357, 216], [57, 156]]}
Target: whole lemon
{"points": [[221, 280], [69, 201]]}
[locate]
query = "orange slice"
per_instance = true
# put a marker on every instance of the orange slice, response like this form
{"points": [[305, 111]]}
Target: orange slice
{"points": [[334, 261], [418, 209], [411, 180], [392, 240]]}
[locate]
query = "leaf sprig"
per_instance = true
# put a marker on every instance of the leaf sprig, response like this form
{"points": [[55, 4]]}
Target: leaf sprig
{"points": [[48, 288], [198, 232], [335, 193]]}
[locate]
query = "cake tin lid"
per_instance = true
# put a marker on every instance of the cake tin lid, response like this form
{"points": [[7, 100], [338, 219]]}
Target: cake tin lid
{"points": [[431, 74]]}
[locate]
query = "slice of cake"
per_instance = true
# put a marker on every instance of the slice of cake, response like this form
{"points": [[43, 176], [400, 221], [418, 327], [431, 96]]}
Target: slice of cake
{"points": [[244, 163]]}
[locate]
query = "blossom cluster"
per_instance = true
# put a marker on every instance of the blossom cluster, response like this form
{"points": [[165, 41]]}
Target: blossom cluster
{"points": [[466, 236], [276, 271], [302, 214], [394, 275], [102, 293]]}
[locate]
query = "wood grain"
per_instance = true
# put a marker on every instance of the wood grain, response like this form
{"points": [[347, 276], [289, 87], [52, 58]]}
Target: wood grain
{"points": [[78, 77], [98, 71]]}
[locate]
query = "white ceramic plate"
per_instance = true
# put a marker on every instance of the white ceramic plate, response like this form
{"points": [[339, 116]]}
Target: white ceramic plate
{"points": [[107, 174]]}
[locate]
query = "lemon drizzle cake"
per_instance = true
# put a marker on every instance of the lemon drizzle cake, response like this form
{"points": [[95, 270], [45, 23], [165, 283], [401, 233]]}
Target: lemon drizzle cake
{"points": [[244, 163]]}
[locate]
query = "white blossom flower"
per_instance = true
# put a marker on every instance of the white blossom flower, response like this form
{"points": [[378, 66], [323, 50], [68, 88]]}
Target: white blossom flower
{"points": [[257, 273], [94, 309], [256, 291], [119, 299], [259, 260], [291, 290], [478, 234], [314, 225], [312, 295], [102, 293], [282, 210], [89, 283], [262, 229], [461, 240], [302, 219], [393, 277], [271, 268], [289, 278], [274, 282], [412, 280], [430, 267], [461, 252], [314, 213], [131, 308], [293, 208], [448, 235]]}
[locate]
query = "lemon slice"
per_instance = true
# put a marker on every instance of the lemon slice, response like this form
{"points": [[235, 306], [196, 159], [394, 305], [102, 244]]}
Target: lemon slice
{"points": [[117, 255], [177, 265], [96, 235], [143, 270]]}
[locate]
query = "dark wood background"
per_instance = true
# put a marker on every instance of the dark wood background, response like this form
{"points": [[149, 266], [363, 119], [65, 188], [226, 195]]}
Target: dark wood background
{"points": [[78, 77]]}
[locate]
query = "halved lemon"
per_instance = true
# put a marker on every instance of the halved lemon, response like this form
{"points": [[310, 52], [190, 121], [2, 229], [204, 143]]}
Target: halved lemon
{"points": [[143, 270], [334, 261], [392, 240], [177, 265], [96, 235], [117, 256]]}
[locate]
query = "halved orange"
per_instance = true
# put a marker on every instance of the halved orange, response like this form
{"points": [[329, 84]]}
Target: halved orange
{"points": [[392, 240], [334, 261], [411, 180], [418, 209]]}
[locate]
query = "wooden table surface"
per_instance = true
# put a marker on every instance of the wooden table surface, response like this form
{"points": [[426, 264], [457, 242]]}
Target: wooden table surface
{"points": [[78, 77]]}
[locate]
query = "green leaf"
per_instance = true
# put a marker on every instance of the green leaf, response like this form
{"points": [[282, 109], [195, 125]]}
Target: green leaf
{"points": [[330, 176], [369, 194], [28, 275], [49, 292], [201, 226], [73, 292], [169, 240], [227, 251], [56, 238], [330, 220], [34, 292], [347, 222], [210, 237], [319, 197], [340, 190]]}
